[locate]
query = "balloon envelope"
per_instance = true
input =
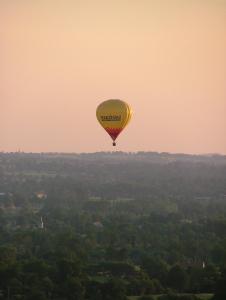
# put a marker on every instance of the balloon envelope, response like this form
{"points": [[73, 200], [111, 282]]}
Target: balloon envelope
{"points": [[113, 115]]}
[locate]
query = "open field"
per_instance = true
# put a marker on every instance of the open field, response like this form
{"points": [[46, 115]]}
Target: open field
{"points": [[156, 297]]}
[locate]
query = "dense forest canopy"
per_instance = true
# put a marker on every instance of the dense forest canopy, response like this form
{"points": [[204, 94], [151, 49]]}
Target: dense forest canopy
{"points": [[112, 225]]}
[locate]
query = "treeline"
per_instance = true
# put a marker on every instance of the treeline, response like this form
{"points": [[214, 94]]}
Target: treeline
{"points": [[114, 175], [77, 257], [110, 226]]}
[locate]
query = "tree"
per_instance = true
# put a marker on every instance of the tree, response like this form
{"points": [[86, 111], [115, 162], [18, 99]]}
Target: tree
{"points": [[177, 278], [156, 268], [220, 291], [114, 289], [73, 289]]}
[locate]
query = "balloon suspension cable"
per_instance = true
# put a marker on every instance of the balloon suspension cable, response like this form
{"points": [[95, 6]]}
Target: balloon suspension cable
{"points": [[114, 144]]}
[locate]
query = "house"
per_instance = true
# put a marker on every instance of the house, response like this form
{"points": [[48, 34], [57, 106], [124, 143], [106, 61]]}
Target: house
{"points": [[41, 195]]}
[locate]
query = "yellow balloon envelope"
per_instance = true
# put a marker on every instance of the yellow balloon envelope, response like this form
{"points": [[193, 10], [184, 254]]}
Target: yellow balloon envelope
{"points": [[113, 115]]}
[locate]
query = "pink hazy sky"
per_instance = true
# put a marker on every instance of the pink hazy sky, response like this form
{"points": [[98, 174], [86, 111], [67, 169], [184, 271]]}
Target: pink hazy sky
{"points": [[60, 59]]}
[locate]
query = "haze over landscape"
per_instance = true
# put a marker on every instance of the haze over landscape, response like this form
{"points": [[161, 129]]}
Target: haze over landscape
{"points": [[79, 221], [60, 59]]}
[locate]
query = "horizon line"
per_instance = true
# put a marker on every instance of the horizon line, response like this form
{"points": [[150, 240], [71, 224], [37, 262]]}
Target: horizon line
{"points": [[113, 152]]}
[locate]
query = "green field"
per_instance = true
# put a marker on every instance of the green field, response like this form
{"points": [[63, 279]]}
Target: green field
{"points": [[201, 297]]}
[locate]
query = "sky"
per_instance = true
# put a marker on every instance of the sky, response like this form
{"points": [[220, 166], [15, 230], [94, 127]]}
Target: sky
{"points": [[60, 58]]}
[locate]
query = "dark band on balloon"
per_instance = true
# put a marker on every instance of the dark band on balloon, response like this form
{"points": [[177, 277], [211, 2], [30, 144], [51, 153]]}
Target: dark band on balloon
{"points": [[111, 118]]}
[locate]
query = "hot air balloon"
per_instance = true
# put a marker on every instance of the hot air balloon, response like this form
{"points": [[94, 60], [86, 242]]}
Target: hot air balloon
{"points": [[113, 115]]}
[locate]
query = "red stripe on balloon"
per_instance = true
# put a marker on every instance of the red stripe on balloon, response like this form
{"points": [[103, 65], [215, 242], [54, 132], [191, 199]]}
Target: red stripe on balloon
{"points": [[113, 132]]}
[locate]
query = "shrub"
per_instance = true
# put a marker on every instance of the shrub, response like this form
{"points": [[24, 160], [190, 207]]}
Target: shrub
{"points": [[146, 298]]}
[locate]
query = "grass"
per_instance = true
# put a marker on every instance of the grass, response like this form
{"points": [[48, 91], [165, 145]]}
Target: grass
{"points": [[201, 297], [205, 296]]}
